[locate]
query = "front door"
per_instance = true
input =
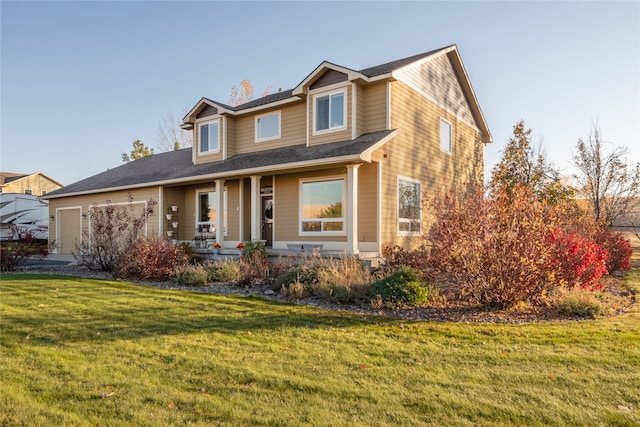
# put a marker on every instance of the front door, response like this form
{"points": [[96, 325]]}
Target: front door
{"points": [[267, 220]]}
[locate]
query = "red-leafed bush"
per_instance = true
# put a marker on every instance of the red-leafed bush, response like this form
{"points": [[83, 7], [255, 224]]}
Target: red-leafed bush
{"points": [[619, 249], [150, 258], [576, 261]]}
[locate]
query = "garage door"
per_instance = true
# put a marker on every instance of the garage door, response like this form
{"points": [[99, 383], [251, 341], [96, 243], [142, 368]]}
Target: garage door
{"points": [[69, 230]]}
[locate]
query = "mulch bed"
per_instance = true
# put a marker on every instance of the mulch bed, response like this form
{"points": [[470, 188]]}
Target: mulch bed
{"points": [[446, 307]]}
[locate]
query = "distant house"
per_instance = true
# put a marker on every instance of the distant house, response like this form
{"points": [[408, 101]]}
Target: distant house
{"points": [[338, 162], [36, 184]]}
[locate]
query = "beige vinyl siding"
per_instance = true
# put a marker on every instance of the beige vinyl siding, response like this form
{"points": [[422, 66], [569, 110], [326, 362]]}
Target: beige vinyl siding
{"points": [[374, 107], [331, 136], [360, 109], [435, 80], [37, 183], [232, 130], [287, 202], [292, 129], [368, 202], [415, 153]]}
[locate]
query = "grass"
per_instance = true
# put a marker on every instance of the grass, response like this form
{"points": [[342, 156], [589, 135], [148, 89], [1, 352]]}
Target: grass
{"points": [[91, 352]]}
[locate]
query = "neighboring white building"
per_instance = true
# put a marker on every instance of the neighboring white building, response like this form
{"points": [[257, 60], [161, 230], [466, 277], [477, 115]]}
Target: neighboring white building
{"points": [[25, 212]]}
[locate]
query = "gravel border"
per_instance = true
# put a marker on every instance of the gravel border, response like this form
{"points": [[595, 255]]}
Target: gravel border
{"points": [[451, 311]]}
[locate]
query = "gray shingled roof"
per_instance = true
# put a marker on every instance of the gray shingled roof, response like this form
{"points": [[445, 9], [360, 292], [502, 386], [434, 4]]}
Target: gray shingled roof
{"points": [[177, 165], [368, 72], [394, 65]]}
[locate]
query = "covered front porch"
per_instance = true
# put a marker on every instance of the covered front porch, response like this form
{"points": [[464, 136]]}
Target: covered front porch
{"points": [[291, 213]]}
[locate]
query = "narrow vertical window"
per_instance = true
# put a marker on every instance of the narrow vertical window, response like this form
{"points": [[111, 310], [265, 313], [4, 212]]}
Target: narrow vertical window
{"points": [[209, 137], [445, 135], [330, 111]]}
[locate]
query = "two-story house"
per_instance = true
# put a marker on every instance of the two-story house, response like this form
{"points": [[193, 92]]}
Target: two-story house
{"points": [[340, 161]]}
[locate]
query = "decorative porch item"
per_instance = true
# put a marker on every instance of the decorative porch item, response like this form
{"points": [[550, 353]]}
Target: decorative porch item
{"points": [[169, 216], [174, 208], [174, 224]]}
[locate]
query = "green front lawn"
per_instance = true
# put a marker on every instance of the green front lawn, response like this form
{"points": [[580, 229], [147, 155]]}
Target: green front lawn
{"points": [[91, 352]]}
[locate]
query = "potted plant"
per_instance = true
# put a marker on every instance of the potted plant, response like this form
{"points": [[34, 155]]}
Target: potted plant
{"points": [[216, 248], [175, 224], [169, 233], [240, 247], [169, 216], [174, 208]]}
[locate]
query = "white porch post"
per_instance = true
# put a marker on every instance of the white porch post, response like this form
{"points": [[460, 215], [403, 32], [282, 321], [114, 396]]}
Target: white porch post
{"points": [[220, 211], [255, 207], [352, 209]]}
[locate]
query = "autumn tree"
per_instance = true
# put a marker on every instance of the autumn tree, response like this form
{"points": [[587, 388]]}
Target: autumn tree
{"points": [[139, 151], [171, 136], [605, 179], [522, 164], [244, 93]]}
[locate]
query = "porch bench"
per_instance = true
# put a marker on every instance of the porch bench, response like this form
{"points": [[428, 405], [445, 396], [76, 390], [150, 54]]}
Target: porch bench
{"points": [[304, 247]]}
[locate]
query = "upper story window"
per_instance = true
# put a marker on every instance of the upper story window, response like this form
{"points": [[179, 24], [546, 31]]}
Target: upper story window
{"points": [[409, 211], [330, 111], [322, 206], [268, 126], [210, 137], [445, 136]]}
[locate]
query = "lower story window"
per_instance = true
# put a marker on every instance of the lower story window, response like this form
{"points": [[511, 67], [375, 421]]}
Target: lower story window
{"points": [[322, 206], [208, 212], [409, 212]]}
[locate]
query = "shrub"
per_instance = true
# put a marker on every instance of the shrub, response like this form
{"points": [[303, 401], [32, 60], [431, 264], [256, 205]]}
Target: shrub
{"points": [[18, 250], [150, 258], [113, 229], [224, 271], [341, 280], [193, 275], [618, 249], [400, 288], [577, 302], [576, 261], [254, 262], [396, 256], [495, 249]]}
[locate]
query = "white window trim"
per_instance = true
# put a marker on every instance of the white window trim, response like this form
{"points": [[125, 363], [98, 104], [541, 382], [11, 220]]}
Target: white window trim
{"points": [[302, 181], [443, 120], [344, 111], [269, 138], [207, 123], [407, 220], [197, 210]]}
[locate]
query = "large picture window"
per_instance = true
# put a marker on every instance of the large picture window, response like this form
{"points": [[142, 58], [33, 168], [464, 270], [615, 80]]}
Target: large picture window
{"points": [[268, 126], [210, 137], [330, 111], [322, 206], [207, 211], [409, 211]]}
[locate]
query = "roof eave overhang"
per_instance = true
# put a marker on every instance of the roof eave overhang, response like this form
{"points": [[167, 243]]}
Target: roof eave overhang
{"points": [[352, 158]]}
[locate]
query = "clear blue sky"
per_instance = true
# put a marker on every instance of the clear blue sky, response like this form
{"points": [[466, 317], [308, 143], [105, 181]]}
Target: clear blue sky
{"points": [[81, 80]]}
